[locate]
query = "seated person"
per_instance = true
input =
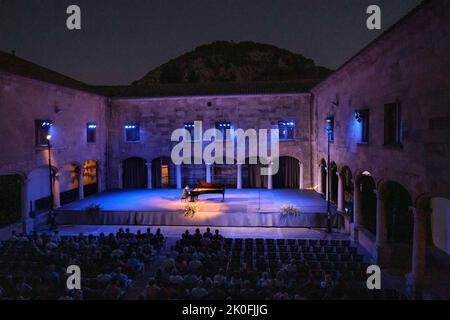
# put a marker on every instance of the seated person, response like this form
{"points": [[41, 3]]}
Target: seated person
{"points": [[185, 193]]}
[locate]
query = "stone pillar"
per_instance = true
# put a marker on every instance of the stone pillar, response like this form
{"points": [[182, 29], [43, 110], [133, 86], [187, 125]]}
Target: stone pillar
{"points": [[149, 174], [81, 183], [98, 170], [239, 176], [381, 233], [27, 221], [341, 195], [208, 172], [300, 176], [319, 179], [120, 177], [56, 195], [357, 219], [416, 277], [269, 177], [178, 169]]}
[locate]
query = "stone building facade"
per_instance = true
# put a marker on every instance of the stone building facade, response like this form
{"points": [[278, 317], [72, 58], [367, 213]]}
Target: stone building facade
{"points": [[159, 117], [405, 70], [389, 107]]}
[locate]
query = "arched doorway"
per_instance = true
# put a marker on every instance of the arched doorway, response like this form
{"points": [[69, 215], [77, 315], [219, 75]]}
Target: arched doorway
{"points": [[10, 199], [346, 174], [251, 174], [90, 178], [399, 220], [323, 177], [399, 223], [225, 173], [333, 183], [69, 183], [163, 173], [134, 173], [368, 202], [288, 175], [191, 173]]}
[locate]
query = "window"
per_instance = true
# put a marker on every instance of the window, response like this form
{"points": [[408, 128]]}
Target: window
{"points": [[330, 128], [392, 121], [286, 129], [362, 117], [132, 132], [91, 130], [42, 130], [225, 129]]}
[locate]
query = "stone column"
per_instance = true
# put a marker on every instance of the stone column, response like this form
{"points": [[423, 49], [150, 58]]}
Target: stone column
{"points": [[178, 169], [208, 172], [319, 179], [56, 196], [120, 177], [357, 219], [269, 177], [98, 170], [239, 176], [416, 277], [81, 183], [381, 233], [300, 176], [149, 174], [341, 195]]}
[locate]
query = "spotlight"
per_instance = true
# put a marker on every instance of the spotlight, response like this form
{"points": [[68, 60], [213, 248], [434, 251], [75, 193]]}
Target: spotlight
{"points": [[49, 137]]}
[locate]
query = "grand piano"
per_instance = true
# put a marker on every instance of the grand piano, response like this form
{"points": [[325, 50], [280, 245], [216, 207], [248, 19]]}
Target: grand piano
{"points": [[204, 187]]}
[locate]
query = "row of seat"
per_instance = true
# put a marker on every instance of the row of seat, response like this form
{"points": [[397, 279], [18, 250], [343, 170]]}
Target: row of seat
{"points": [[302, 256], [290, 248], [307, 242]]}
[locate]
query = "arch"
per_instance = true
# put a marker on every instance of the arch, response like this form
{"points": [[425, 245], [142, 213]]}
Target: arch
{"points": [[134, 173], [288, 175], [438, 228], [11, 196], [251, 173], [191, 173], [334, 181], [69, 182], [323, 176], [346, 176], [225, 173], [397, 202], [163, 172], [90, 177], [368, 201]]}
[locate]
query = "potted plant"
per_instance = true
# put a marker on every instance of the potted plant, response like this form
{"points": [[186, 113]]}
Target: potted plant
{"points": [[288, 210], [190, 209]]}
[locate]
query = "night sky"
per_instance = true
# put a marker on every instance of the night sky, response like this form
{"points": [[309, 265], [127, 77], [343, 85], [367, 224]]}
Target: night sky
{"points": [[121, 40]]}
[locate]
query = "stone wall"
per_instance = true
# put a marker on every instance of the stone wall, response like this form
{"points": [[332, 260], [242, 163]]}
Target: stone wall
{"points": [[22, 101], [410, 65], [158, 117]]}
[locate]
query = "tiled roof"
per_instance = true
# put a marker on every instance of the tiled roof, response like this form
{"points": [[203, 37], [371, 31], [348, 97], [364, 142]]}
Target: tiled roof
{"points": [[199, 89], [13, 64]]}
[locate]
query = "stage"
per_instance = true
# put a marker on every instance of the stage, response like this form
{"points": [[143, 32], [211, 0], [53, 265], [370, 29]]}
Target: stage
{"points": [[162, 207]]}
